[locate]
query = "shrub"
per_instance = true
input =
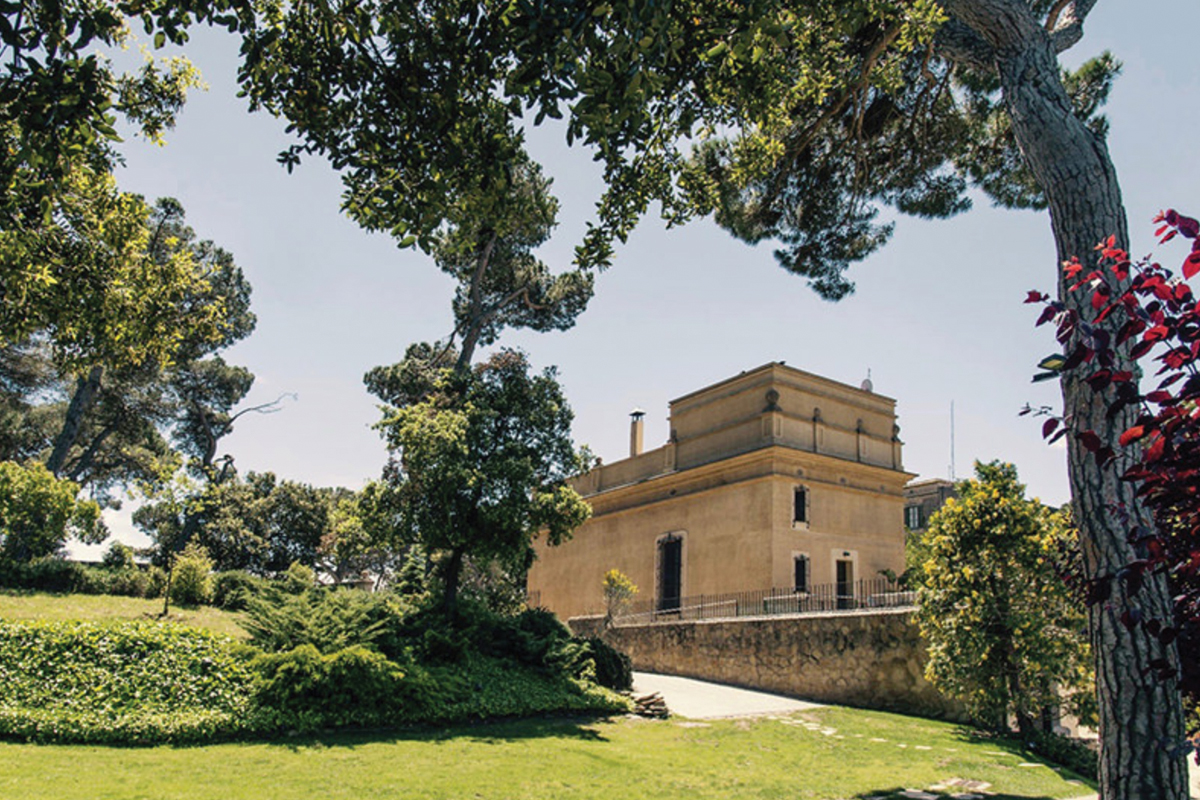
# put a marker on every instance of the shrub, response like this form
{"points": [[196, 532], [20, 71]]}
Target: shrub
{"points": [[613, 669], [330, 620], [353, 686], [156, 581], [130, 581], [534, 637], [192, 582], [125, 683], [298, 578], [232, 590], [50, 575], [118, 556]]}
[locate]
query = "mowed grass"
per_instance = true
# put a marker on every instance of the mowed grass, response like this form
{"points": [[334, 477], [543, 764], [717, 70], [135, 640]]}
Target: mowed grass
{"points": [[68, 607], [823, 754]]}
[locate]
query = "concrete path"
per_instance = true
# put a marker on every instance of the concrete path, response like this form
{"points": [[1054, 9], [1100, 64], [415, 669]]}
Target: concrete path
{"points": [[700, 700]]}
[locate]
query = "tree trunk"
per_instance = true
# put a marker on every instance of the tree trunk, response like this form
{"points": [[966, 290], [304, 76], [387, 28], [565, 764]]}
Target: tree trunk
{"points": [[1141, 718], [81, 401], [450, 576]]}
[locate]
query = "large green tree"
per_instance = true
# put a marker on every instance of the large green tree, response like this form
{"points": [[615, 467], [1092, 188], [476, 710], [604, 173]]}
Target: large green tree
{"points": [[257, 523], [1005, 632], [481, 467], [111, 422]]}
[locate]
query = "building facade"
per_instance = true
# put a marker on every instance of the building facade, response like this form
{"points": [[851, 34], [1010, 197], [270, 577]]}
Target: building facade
{"points": [[773, 478], [923, 498]]}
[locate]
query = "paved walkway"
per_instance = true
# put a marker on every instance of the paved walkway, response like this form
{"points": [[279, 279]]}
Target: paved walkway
{"points": [[701, 700]]}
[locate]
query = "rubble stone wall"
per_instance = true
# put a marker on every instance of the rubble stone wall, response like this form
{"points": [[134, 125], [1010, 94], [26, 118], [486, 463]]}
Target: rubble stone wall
{"points": [[867, 659]]}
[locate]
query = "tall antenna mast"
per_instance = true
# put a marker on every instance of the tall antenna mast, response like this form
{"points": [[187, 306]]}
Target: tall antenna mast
{"points": [[952, 477]]}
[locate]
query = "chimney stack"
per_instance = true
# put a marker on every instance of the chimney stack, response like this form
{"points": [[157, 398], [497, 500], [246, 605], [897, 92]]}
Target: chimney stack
{"points": [[636, 432]]}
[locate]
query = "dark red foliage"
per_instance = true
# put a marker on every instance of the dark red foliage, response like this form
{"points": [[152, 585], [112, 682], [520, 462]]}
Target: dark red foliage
{"points": [[1153, 318]]}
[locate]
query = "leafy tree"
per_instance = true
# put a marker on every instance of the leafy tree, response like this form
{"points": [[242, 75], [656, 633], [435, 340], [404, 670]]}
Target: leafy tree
{"points": [[481, 467], [210, 313], [73, 265], [259, 523], [119, 556], [39, 513], [361, 541], [619, 592], [1004, 631]]}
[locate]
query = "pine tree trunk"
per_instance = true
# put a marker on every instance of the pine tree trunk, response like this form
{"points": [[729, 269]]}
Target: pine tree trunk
{"points": [[1141, 718], [81, 401]]}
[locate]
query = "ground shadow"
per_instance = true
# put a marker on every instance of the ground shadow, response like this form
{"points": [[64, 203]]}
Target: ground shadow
{"points": [[894, 793], [483, 732]]}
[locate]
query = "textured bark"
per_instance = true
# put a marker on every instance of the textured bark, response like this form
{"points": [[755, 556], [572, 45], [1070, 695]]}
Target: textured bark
{"points": [[1141, 717], [81, 401]]}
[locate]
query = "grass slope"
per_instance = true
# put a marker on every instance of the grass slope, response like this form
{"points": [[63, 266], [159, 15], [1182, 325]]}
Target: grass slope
{"points": [[98, 607], [816, 755]]}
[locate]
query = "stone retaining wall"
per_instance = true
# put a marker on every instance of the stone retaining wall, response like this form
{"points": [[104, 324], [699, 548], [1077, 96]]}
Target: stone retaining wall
{"points": [[867, 659]]}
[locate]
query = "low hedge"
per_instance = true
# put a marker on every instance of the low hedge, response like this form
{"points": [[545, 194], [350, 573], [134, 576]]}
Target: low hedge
{"points": [[146, 683], [121, 683], [59, 575]]}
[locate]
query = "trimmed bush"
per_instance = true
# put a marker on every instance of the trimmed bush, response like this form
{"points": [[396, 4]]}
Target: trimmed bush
{"points": [[192, 582], [127, 683], [47, 575], [61, 576]]}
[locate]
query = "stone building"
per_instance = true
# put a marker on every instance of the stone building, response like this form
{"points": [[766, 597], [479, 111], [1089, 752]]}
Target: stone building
{"points": [[924, 497], [773, 478]]}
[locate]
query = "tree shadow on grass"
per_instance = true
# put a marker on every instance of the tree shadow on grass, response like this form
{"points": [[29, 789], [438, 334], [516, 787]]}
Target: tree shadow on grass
{"points": [[894, 793], [483, 732]]}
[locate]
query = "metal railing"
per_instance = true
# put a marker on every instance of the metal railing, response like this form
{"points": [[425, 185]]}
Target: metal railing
{"points": [[824, 599]]}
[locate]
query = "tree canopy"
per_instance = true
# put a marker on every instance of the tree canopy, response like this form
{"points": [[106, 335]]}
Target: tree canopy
{"points": [[1006, 633], [481, 464]]}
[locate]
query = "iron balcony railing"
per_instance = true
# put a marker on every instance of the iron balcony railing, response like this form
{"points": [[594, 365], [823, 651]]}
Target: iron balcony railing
{"points": [[824, 599]]}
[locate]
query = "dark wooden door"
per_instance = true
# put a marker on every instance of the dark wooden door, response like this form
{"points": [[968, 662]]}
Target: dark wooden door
{"points": [[670, 579]]}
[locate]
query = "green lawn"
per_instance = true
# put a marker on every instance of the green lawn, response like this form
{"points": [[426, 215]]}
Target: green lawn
{"points": [[827, 754], [775, 757], [63, 607]]}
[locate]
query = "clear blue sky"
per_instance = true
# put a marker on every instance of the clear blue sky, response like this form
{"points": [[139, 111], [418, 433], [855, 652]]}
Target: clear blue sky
{"points": [[938, 315]]}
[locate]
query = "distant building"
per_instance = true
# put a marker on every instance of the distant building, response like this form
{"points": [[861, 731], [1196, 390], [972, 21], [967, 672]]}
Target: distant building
{"points": [[773, 478], [924, 497]]}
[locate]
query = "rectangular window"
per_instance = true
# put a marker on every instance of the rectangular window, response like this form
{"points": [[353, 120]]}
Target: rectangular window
{"points": [[801, 573], [912, 518], [800, 505]]}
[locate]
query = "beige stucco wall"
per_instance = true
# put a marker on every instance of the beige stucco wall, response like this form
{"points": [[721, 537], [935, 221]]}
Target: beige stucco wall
{"points": [[726, 547], [735, 517], [725, 482]]}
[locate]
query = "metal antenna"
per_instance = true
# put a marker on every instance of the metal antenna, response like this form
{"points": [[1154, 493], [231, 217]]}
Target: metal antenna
{"points": [[952, 441]]}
